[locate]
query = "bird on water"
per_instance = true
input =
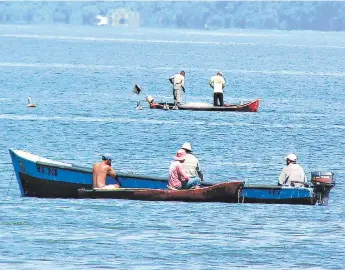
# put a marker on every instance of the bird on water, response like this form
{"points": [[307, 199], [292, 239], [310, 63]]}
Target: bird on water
{"points": [[30, 104]]}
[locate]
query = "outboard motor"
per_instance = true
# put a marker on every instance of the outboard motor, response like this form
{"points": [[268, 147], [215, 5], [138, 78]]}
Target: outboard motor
{"points": [[322, 182]]}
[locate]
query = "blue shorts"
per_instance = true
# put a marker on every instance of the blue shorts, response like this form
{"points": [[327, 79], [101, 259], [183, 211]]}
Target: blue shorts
{"points": [[191, 183]]}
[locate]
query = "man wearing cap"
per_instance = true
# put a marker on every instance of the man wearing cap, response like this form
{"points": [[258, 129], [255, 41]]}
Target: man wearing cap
{"points": [[100, 172], [191, 167], [293, 174], [217, 82], [176, 174], [177, 81]]}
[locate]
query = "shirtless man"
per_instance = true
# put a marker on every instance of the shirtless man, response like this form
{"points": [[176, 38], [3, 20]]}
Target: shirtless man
{"points": [[100, 172]]}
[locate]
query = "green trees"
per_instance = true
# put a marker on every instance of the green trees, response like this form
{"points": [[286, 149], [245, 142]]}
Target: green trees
{"points": [[325, 16]]}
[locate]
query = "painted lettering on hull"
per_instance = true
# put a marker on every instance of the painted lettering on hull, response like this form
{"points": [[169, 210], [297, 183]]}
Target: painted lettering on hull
{"points": [[274, 191], [46, 170]]}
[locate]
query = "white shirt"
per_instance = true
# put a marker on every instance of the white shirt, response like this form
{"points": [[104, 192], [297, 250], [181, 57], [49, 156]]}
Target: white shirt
{"points": [[218, 83], [178, 81], [292, 173], [191, 166]]}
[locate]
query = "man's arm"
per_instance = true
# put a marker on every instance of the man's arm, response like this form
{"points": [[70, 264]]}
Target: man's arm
{"points": [[201, 175], [210, 83], [94, 184], [282, 178], [223, 83], [304, 177], [112, 172], [171, 79], [182, 85]]}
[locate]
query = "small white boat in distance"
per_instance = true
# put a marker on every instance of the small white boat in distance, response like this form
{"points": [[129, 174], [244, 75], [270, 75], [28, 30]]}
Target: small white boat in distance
{"points": [[30, 104], [102, 20]]}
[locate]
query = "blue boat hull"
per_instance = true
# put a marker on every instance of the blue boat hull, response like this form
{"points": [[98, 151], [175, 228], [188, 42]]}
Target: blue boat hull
{"points": [[49, 179], [271, 194], [40, 177]]}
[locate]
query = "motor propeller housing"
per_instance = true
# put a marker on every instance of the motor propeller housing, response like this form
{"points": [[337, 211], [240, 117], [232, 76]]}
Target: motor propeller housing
{"points": [[322, 182]]}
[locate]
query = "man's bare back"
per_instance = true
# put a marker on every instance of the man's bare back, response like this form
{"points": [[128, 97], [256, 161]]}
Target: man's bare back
{"points": [[100, 172]]}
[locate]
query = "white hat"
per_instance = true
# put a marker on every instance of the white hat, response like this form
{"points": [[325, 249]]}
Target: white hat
{"points": [[187, 146], [291, 157]]}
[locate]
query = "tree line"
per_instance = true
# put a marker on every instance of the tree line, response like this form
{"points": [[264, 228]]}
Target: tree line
{"points": [[324, 16]]}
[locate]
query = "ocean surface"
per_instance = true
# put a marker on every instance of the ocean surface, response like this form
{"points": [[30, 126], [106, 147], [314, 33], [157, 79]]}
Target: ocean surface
{"points": [[82, 78]]}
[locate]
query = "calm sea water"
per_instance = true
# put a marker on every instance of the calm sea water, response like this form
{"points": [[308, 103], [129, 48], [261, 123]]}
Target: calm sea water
{"points": [[81, 78]]}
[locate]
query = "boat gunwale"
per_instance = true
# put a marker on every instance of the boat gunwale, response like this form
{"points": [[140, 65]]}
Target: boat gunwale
{"points": [[215, 185], [263, 186]]}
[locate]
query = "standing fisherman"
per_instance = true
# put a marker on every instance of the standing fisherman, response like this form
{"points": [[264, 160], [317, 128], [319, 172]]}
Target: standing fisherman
{"points": [[177, 81], [217, 83]]}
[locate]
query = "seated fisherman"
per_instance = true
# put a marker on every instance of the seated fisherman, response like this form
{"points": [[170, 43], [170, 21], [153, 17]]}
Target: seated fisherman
{"points": [[100, 172], [191, 167], [293, 174], [176, 174]]}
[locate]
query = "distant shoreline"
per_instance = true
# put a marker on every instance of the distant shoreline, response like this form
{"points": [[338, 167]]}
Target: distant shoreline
{"points": [[219, 31]]}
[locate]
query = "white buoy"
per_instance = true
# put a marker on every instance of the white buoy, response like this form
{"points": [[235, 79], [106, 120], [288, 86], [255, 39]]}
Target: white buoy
{"points": [[30, 104]]}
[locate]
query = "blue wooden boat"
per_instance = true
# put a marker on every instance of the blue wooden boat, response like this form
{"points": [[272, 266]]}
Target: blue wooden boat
{"points": [[46, 178]]}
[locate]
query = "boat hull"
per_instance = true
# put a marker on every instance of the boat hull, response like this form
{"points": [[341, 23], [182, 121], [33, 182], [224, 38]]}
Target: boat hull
{"points": [[252, 106], [45, 178], [270, 194], [224, 192], [43, 188], [40, 177]]}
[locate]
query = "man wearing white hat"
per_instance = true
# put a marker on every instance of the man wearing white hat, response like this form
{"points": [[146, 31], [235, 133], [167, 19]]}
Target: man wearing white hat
{"points": [[293, 174], [191, 167], [217, 83]]}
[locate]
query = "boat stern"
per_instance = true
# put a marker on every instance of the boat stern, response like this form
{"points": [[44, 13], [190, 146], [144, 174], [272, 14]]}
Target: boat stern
{"points": [[254, 106], [322, 182]]}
